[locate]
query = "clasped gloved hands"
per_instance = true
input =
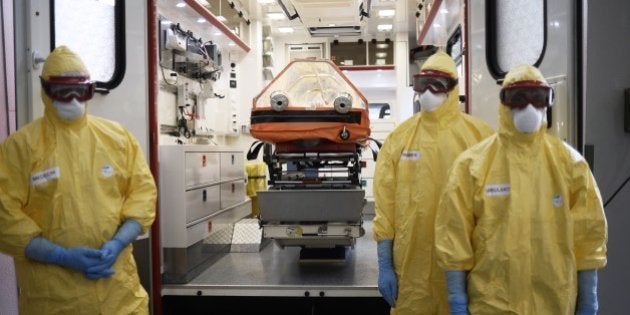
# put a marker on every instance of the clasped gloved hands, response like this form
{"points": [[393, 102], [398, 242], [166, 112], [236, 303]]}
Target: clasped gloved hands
{"points": [[94, 263], [126, 234], [77, 258], [587, 293], [387, 281], [109, 253], [457, 294]]}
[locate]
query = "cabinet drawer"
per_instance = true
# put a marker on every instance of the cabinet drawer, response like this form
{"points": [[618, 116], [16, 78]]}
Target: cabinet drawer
{"points": [[201, 202], [197, 232], [232, 193], [201, 168], [232, 165]]}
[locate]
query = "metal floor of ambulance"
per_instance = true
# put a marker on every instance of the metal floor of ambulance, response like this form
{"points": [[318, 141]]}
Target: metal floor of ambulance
{"points": [[274, 278]]}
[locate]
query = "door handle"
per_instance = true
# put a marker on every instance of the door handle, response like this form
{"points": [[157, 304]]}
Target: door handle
{"points": [[36, 59]]}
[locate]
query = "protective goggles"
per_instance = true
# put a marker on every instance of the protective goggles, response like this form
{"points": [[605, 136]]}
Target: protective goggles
{"points": [[64, 89], [520, 94], [434, 81]]}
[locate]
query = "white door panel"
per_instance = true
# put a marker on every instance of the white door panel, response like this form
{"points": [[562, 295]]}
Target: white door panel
{"points": [[38, 46]]}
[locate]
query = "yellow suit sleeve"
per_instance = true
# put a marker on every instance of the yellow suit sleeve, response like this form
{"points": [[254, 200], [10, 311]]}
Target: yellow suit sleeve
{"points": [[16, 228], [141, 194], [590, 230], [454, 223], [384, 195]]}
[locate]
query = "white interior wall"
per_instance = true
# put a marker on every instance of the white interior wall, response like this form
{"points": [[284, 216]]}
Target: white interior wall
{"points": [[404, 90], [378, 86], [237, 100]]}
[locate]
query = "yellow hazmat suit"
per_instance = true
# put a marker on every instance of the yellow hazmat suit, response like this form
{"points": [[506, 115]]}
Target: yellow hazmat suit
{"points": [[410, 173], [522, 213], [73, 183]]}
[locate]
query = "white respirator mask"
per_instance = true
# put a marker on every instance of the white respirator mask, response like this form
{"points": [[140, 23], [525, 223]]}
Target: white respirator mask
{"points": [[528, 119], [69, 110], [430, 102]]}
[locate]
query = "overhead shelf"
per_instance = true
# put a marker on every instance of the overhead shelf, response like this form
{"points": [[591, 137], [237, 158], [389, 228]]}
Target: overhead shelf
{"points": [[365, 67], [212, 19]]}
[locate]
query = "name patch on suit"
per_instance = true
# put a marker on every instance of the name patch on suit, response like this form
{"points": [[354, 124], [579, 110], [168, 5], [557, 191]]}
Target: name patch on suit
{"points": [[498, 190], [45, 175], [410, 155]]}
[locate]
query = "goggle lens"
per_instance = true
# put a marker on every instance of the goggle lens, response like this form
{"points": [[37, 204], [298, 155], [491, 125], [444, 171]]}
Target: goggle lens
{"points": [[64, 89], [519, 96], [433, 81]]}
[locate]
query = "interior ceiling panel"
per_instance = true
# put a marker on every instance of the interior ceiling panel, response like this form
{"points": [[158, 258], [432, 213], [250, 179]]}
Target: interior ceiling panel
{"points": [[316, 13], [333, 18]]}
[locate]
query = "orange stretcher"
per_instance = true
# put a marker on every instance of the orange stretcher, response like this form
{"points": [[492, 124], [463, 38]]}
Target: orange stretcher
{"points": [[310, 100]]}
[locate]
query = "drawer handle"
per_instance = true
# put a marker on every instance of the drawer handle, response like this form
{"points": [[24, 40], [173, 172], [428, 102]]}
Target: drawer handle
{"points": [[233, 187], [232, 159], [205, 195]]}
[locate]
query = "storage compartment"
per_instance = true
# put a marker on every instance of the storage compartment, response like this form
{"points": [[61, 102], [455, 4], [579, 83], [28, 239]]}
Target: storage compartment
{"points": [[202, 195], [232, 165], [232, 193], [202, 168], [202, 202]]}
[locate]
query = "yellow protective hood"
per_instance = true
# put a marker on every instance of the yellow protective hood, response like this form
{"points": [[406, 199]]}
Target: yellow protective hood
{"points": [[506, 125], [441, 61], [61, 61]]}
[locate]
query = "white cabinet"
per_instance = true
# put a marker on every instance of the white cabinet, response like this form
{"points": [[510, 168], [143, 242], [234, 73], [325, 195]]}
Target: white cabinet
{"points": [[197, 182], [202, 196]]}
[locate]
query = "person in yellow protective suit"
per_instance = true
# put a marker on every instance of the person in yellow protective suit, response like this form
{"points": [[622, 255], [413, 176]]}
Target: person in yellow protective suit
{"points": [[520, 226], [75, 190], [411, 169]]}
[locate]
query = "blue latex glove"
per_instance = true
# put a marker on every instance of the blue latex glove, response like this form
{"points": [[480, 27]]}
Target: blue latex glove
{"points": [[387, 281], [457, 294], [77, 258], [126, 234], [587, 293]]}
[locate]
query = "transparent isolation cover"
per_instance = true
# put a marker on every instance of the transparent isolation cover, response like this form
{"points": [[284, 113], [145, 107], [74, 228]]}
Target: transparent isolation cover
{"points": [[310, 99]]}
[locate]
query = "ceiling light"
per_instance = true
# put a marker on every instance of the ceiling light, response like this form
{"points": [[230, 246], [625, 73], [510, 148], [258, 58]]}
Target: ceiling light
{"points": [[382, 46], [285, 29], [201, 20], [444, 11], [331, 24], [231, 44], [275, 16], [384, 27], [381, 55], [437, 25], [328, 31], [389, 13], [180, 5]]}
